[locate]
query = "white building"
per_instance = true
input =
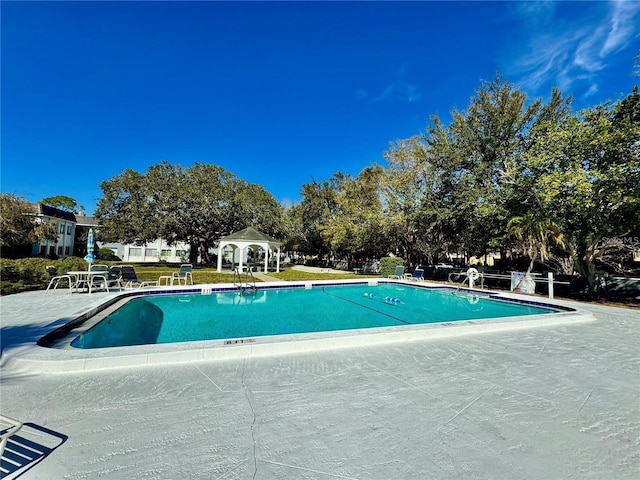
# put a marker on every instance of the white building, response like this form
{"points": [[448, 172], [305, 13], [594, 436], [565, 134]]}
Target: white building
{"points": [[152, 252], [66, 226]]}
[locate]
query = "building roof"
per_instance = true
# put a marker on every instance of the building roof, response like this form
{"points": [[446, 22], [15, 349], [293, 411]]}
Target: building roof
{"points": [[85, 221], [50, 211], [249, 234]]}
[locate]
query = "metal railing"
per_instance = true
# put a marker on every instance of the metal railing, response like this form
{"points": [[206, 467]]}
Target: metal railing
{"points": [[246, 286], [472, 276]]}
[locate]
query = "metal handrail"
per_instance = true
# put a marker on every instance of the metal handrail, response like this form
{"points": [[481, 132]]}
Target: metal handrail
{"points": [[253, 280], [465, 279], [242, 288]]}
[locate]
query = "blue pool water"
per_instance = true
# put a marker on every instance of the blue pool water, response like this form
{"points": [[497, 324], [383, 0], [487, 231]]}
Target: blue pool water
{"points": [[230, 315]]}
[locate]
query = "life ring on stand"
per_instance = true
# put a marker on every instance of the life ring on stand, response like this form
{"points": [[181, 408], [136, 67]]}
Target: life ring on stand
{"points": [[473, 274]]}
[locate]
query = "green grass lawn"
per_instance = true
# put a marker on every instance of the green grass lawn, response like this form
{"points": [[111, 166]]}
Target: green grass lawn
{"points": [[298, 275], [210, 275], [200, 275]]}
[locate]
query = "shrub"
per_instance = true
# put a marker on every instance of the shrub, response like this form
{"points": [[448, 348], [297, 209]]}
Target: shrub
{"points": [[107, 255], [25, 273], [388, 265]]}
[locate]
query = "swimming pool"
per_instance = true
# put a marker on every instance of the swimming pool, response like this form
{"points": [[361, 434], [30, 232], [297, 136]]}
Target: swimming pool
{"points": [[53, 353], [235, 318]]}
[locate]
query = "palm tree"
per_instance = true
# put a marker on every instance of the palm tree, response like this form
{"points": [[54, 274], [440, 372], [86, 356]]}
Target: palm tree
{"points": [[533, 232]]}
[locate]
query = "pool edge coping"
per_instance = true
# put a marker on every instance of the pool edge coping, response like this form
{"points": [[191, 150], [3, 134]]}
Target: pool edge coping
{"points": [[36, 359]]}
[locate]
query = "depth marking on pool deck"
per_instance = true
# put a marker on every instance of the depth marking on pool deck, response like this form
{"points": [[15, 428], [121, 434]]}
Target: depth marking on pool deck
{"points": [[239, 341]]}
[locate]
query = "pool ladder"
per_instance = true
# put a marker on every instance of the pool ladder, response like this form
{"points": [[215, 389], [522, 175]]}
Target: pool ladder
{"points": [[246, 286]]}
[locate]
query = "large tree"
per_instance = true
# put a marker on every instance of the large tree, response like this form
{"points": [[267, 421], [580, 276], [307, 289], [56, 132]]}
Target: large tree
{"points": [[63, 202], [584, 172], [19, 224], [452, 188], [419, 219], [306, 218], [196, 205], [354, 229], [482, 146]]}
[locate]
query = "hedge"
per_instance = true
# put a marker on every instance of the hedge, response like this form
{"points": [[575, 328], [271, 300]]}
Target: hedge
{"points": [[388, 265], [31, 274]]}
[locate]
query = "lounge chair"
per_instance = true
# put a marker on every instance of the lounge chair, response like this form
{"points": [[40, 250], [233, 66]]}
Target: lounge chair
{"points": [[55, 279], [114, 275], [399, 273], [24, 445], [184, 274], [418, 275], [8, 427], [129, 279]]}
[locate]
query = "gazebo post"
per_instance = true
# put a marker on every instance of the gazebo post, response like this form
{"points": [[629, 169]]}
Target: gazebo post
{"points": [[242, 253], [266, 259], [220, 246]]}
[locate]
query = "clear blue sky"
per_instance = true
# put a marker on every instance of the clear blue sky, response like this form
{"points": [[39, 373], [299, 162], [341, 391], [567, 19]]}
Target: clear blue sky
{"points": [[277, 93]]}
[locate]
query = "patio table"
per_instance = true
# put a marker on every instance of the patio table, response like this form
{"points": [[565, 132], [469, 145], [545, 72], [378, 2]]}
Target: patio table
{"points": [[85, 277]]}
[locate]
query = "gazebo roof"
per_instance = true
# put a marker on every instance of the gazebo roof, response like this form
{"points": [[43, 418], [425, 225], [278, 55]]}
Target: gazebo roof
{"points": [[249, 234]]}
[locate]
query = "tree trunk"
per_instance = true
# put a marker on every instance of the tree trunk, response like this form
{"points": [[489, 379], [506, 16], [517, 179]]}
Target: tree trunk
{"points": [[585, 264], [193, 253]]}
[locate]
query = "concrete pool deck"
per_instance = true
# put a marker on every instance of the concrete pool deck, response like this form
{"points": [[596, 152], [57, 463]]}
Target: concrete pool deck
{"points": [[560, 401]]}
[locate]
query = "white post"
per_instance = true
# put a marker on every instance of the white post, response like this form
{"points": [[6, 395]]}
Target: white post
{"points": [[550, 281], [241, 261], [267, 251], [278, 260], [220, 257], [471, 272]]}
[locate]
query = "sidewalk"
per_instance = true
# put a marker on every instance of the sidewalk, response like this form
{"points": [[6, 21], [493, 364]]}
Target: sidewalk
{"points": [[266, 278]]}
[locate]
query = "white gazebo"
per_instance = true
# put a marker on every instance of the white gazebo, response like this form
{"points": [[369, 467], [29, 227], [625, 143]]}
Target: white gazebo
{"points": [[250, 238]]}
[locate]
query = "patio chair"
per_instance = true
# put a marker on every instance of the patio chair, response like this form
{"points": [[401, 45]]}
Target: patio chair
{"points": [[184, 274], [399, 273], [129, 278], [417, 276], [114, 276], [102, 278], [55, 279]]}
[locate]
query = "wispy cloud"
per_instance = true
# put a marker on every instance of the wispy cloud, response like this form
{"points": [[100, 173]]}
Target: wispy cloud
{"points": [[623, 26], [564, 49], [397, 90]]}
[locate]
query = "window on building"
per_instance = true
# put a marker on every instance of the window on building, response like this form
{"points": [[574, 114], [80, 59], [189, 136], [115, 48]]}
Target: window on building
{"points": [[68, 229], [67, 250], [150, 252], [59, 251], [61, 228], [135, 252], [181, 253], [165, 252]]}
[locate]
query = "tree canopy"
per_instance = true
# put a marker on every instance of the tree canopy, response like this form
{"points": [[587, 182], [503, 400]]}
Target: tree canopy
{"points": [[507, 174], [63, 203], [19, 224], [196, 205]]}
